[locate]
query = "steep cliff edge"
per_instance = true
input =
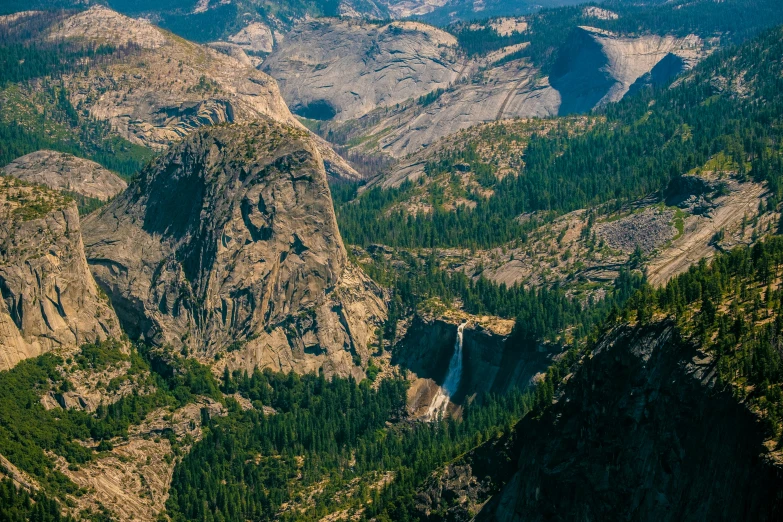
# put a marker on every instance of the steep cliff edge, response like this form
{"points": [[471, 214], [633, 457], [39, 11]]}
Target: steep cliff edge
{"points": [[493, 362], [596, 67], [49, 299], [227, 247], [642, 431]]}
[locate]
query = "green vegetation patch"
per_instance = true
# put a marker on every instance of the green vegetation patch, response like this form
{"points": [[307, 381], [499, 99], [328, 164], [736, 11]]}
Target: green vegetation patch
{"points": [[620, 159], [28, 431]]}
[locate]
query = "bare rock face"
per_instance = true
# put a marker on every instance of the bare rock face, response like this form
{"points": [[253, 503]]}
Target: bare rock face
{"points": [[228, 245], [49, 299], [255, 37], [61, 171], [164, 87], [133, 479], [596, 67], [509, 90], [344, 68]]}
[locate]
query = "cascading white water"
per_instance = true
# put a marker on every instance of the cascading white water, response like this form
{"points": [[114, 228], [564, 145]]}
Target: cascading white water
{"points": [[440, 402]]}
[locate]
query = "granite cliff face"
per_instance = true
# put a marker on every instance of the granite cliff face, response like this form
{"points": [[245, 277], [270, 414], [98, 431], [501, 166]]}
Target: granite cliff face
{"points": [[492, 361], [49, 299], [641, 431], [61, 171], [158, 88], [596, 67], [343, 69], [510, 90], [332, 70], [228, 246]]}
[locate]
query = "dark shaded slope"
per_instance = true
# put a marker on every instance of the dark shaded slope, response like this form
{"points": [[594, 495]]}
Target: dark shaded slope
{"points": [[580, 74], [641, 432], [661, 75]]}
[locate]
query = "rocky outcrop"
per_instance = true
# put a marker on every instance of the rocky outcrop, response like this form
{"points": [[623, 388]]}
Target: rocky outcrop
{"points": [[61, 171], [452, 494], [596, 67], [693, 193], [510, 90], [133, 479], [343, 69], [157, 88], [49, 299], [166, 86], [256, 37], [642, 431], [460, 489], [647, 230], [227, 245]]}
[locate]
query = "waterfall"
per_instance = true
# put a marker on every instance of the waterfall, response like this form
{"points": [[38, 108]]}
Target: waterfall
{"points": [[440, 402]]}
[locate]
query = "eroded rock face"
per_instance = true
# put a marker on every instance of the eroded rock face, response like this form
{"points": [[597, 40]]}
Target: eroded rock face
{"points": [[492, 360], [451, 493], [228, 243], [61, 171], [505, 91], [133, 479], [165, 87], [343, 68], [641, 432], [255, 37], [160, 88], [596, 67], [49, 298]]}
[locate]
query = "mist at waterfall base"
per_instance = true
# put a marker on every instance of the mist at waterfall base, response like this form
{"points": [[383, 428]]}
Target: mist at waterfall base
{"points": [[440, 402]]}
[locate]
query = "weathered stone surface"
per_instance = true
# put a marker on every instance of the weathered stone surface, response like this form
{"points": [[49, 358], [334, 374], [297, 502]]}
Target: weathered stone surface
{"points": [[345, 68], [228, 243], [61, 171], [168, 86], [510, 90], [256, 37], [236, 52], [49, 299], [596, 67], [133, 479], [648, 230], [452, 492], [100, 23], [165, 87]]}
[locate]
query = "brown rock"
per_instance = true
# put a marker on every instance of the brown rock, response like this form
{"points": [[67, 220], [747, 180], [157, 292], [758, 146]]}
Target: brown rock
{"points": [[49, 299], [228, 243]]}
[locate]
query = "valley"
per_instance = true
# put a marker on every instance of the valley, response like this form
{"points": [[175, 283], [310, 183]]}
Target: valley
{"points": [[390, 261]]}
